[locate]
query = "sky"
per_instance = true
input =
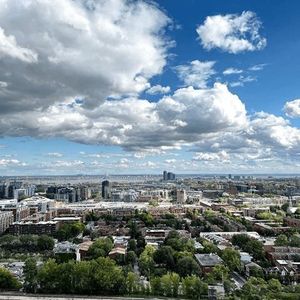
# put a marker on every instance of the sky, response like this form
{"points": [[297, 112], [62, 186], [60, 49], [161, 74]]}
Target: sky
{"points": [[135, 87]]}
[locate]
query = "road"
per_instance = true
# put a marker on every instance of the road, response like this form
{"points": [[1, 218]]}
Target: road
{"points": [[238, 280], [10, 296]]}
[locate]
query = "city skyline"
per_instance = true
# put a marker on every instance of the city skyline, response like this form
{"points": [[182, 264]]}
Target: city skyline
{"points": [[127, 87]]}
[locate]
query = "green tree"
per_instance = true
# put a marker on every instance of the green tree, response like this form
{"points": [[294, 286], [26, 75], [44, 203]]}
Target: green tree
{"points": [[146, 261], [101, 247], [30, 275], [132, 245], [155, 284], [8, 281], [193, 287], [45, 242], [294, 241], [232, 259], [274, 285], [131, 258], [132, 283], [281, 240], [165, 255], [49, 277], [219, 273], [187, 266], [170, 284]]}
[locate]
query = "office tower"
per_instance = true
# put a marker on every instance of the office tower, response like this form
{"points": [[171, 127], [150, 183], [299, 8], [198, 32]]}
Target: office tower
{"points": [[165, 175], [170, 176], [106, 189]]}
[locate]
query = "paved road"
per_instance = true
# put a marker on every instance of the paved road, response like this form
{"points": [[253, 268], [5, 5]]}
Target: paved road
{"points": [[9, 296], [238, 280]]}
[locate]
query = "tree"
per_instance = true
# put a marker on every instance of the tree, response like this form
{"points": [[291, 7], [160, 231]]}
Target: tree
{"points": [[187, 266], [193, 287], [8, 281], [294, 241], [285, 206], [274, 285], [45, 242], [240, 240], [132, 284], [254, 288], [255, 248], [156, 288], [170, 284], [101, 247], [132, 245], [209, 247], [219, 273], [165, 255], [232, 259], [281, 240], [131, 257], [30, 275], [49, 277], [68, 231], [146, 261], [107, 277]]}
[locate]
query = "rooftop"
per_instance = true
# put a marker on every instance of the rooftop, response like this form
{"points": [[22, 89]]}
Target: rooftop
{"points": [[208, 260]]}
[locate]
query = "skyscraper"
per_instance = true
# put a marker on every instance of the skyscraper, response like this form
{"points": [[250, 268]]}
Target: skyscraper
{"points": [[106, 189], [165, 175]]}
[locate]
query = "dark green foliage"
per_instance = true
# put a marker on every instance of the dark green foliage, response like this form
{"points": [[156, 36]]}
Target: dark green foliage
{"points": [[30, 276], [100, 248], [187, 266], [26, 243], [98, 277], [68, 231], [8, 281]]}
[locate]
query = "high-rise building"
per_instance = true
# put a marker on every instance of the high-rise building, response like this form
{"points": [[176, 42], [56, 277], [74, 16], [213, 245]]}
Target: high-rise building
{"points": [[106, 189], [165, 175], [168, 175]]}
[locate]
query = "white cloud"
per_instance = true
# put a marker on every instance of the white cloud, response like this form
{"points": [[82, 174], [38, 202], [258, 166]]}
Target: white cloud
{"points": [[158, 89], [171, 161], [136, 124], [63, 49], [232, 33], [231, 71], [221, 156], [11, 162], [292, 108], [197, 73], [55, 154], [258, 67], [242, 80], [10, 48], [236, 83]]}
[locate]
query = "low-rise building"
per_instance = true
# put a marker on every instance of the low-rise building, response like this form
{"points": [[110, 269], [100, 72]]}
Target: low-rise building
{"points": [[6, 219], [208, 261]]}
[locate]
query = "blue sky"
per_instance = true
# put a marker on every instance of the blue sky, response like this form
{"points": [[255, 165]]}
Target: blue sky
{"points": [[159, 85]]}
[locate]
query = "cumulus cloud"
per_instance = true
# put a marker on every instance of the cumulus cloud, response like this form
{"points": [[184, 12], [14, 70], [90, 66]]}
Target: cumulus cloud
{"points": [[10, 48], [197, 73], [231, 71], [11, 162], [221, 156], [292, 108], [158, 89], [90, 50], [136, 124], [232, 33]]}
